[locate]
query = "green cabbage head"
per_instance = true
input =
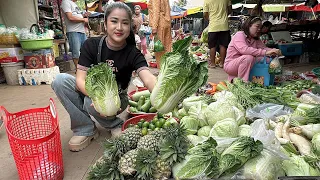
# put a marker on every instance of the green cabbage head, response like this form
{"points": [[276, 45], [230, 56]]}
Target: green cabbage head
{"points": [[102, 88], [191, 124], [225, 128]]}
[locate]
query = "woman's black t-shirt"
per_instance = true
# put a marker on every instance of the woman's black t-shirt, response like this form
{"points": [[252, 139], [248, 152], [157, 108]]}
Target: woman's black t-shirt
{"points": [[123, 61]]}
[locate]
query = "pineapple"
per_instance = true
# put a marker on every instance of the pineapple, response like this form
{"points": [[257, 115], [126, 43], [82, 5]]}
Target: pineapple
{"points": [[115, 148], [132, 136], [163, 170], [148, 142], [175, 145], [146, 164], [105, 169], [127, 162], [158, 134]]}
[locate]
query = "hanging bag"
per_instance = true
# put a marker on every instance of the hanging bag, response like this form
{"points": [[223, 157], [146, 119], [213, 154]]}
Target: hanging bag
{"points": [[158, 46]]}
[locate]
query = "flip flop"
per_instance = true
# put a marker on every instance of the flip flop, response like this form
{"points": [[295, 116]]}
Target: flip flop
{"points": [[212, 66], [221, 65]]}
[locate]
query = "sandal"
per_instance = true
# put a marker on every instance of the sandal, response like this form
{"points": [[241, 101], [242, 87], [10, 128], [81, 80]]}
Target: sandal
{"points": [[221, 65], [212, 66]]}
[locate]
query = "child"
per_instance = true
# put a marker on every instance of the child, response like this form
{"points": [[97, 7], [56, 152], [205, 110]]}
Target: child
{"points": [[137, 37], [118, 49]]}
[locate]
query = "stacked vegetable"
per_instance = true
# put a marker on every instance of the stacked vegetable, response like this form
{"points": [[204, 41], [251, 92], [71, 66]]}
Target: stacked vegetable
{"points": [[141, 103], [133, 155]]}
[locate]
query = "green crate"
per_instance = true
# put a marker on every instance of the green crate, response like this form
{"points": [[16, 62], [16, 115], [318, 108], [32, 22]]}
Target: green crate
{"points": [[36, 44]]}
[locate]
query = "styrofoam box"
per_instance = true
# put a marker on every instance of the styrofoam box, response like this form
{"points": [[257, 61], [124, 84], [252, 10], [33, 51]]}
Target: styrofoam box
{"points": [[37, 76]]}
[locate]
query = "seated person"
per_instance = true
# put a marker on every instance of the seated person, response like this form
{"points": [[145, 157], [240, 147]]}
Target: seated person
{"points": [[245, 49], [266, 26]]}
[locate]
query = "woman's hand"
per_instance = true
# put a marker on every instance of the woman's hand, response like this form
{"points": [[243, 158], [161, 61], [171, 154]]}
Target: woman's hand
{"points": [[273, 52]]}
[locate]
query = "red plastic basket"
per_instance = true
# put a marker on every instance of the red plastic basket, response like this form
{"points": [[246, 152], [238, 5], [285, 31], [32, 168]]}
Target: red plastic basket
{"points": [[136, 119], [34, 139], [138, 90]]}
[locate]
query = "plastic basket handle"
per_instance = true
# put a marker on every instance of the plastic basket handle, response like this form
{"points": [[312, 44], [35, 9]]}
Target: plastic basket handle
{"points": [[3, 116], [53, 108]]}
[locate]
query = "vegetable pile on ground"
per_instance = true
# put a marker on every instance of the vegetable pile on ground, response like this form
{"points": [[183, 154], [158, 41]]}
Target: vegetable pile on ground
{"points": [[141, 103], [133, 155]]}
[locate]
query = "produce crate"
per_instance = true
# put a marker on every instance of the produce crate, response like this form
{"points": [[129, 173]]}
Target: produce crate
{"points": [[291, 49], [37, 76]]}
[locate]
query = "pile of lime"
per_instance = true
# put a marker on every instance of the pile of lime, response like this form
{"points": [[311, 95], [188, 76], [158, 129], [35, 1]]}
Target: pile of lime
{"points": [[157, 123]]}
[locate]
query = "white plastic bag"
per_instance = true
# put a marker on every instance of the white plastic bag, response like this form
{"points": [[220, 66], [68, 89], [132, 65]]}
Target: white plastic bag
{"points": [[267, 111]]}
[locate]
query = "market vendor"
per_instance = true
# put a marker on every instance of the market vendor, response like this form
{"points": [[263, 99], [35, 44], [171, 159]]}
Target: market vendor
{"points": [[118, 49], [245, 49]]}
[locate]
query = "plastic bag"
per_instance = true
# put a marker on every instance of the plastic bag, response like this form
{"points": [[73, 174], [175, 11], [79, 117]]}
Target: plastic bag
{"points": [[308, 97], [158, 46], [267, 111], [142, 30], [275, 66], [204, 36]]}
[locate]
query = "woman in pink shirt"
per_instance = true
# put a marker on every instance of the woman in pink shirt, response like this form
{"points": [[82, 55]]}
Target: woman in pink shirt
{"points": [[245, 49]]}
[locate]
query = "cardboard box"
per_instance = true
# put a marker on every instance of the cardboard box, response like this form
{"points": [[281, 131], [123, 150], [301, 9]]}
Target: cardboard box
{"points": [[38, 59], [8, 55]]}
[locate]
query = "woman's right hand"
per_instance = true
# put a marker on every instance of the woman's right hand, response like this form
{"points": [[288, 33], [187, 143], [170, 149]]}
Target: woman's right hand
{"points": [[273, 52]]}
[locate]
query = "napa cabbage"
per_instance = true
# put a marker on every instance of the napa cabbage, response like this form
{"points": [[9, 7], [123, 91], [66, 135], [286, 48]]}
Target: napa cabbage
{"points": [[101, 86], [180, 76]]}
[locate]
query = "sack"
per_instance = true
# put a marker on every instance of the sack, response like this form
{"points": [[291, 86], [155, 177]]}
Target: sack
{"points": [[158, 46], [275, 66]]}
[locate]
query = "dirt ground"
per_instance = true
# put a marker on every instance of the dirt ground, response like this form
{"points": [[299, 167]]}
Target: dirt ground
{"points": [[76, 164]]}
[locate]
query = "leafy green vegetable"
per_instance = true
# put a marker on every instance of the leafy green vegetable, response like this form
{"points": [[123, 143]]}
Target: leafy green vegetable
{"points": [[218, 111], [197, 111], [316, 144], [191, 124], [225, 128], [204, 35], [195, 140], [188, 102], [307, 113], [204, 131], [102, 88], [263, 167], [238, 153], [202, 159], [245, 130], [180, 76], [297, 166]]}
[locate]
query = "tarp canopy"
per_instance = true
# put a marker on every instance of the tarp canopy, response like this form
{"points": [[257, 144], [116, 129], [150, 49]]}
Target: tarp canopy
{"points": [[177, 12], [16, 13], [305, 8]]}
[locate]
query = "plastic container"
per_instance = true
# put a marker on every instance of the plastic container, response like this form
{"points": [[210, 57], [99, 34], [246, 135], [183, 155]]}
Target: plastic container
{"points": [[11, 72], [291, 49], [260, 73], [34, 139], [36, 44]]}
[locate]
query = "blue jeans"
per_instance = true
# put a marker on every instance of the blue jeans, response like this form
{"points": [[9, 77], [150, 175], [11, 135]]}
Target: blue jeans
{"points": [[79, 107], [76, 39]]}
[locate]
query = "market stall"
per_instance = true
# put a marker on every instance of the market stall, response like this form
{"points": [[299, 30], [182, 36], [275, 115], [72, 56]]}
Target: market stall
{"points": [[187, 128]]}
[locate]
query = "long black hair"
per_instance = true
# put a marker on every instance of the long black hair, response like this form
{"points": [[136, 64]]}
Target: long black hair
{"points": [[120, 5]]}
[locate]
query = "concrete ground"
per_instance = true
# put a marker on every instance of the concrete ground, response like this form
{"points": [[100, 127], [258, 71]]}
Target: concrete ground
{"points": [[76, 164]]}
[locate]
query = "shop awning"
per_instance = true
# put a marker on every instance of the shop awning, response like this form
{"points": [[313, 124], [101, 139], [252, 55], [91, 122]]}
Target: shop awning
{"points": [[305, 8]]}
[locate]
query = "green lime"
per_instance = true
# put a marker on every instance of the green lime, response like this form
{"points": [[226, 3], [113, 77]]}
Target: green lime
{"points": [[142, 120], [144, 131], [154, 121], [158, 124], [162, 121], [167, 124], [145, 124], [160, 115], [156, 129], [136, 126], [130, 125], [152, 126], [140, 124]]}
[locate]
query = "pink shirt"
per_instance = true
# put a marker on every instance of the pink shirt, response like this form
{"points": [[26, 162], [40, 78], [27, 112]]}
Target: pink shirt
{"points": [[241, 45]]}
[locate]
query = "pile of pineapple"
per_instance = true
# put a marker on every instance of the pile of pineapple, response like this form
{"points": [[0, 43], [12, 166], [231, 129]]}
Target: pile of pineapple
{"points": [[148, 157]]}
